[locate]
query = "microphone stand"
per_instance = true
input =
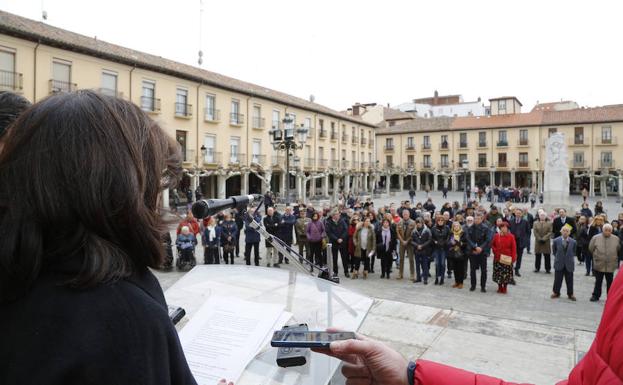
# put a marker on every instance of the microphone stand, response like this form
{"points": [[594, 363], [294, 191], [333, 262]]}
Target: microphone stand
{"points": [[288, 251]]}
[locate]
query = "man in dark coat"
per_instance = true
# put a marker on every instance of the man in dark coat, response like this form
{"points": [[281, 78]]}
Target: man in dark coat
{"points": [[337, 232], [238, 216], [271, 224], [268, 201], [520, 228], [478, 241], [563, 249], [561, 220], [252, 238], [285, 229], [421, 240]]}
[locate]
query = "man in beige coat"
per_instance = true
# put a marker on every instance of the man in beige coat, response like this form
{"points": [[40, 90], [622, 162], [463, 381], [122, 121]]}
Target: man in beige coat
{"points": [[604, 247], [404, 229]]}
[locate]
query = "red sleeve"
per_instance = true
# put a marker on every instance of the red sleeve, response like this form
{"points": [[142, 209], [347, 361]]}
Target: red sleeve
{"points": [[495, 246], [432, 373]]}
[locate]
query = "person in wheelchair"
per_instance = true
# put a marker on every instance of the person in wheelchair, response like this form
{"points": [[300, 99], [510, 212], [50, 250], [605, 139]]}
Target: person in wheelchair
{"points": [[186, 242]]}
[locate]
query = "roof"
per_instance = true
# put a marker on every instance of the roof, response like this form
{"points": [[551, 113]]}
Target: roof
{"points": [[495, 121], [36, 31], [393, 114], [441, 123], [553, 105], [605, 114], [507, 97]]}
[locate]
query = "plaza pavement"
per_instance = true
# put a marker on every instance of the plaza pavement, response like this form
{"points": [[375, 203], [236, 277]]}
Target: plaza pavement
{"points": [[522, 336]]}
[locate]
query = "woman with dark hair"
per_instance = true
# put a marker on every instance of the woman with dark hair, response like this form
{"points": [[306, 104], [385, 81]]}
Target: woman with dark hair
{"points": [[80, 182], [315, 234], [364, 241], [385, 245], [211, 239], [457, 253], [504, 256], [351, 246], [11, 106]]}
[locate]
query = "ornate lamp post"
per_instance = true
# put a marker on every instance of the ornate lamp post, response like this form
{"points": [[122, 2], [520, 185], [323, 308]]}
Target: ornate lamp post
{"points": [[286, 139]]}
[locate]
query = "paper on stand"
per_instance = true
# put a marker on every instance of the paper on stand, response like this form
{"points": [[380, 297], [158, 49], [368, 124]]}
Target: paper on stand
{"points": [[225, 335]]}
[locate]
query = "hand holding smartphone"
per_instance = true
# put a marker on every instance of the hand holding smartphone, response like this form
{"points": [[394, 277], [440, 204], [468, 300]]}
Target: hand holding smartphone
{"points": [[308, 339]]}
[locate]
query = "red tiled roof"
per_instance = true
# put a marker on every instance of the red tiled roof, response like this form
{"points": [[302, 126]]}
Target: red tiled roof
{"points": [[393, 114], [495, 121], [605, 114]]}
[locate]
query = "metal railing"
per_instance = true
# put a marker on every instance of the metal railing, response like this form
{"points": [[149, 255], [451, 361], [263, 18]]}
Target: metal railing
{"points": [[606, 141], [482, 144], [410, 147], [444, 165], [323, 162], [344, 163], [578, 141], [502, 143], [501, 164], [183, 110], [365, 165], [278, 160], [578, 164], [323, 133], [364, 141], [309, 162], [426, 165], [444, 146], [277, 125], [522, 142], [355, 139], [335, 163], [523, 164], [188, 156], [389, 147], [606, 163], [483, 164], [150, 104], [371, 144], [258, 159], [344, 138], [211, 115], [258, 122], [462, 144], [426, 146], [333, 135], [410, 165], [236, 119], [110, 92], [11, 81], [237, 159], [62, 86], [212, 157]]}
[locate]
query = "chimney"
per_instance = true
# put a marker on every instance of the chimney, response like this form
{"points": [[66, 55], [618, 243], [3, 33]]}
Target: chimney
{"points": [[356, 109]]}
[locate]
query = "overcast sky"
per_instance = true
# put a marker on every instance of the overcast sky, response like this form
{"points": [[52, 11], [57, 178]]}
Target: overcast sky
{"points": [[383, 51]]}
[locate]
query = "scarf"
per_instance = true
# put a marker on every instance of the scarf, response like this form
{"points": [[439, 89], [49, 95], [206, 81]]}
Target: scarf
{"points": [[457, 234], [211, 233], [386, 234]]}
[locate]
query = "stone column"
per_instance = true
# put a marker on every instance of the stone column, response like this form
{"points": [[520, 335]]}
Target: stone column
{"points": [[592, 187], [303, 185], [512, 178], [325, 186], [165, 195], [445, 181], [336, 187], [221, 187], [298, 187], [435, 182], [620, 185], [534, 181], [472, 180], [491, 178], [401, 182], [418, 182], [244, 183], [283, 182], [388, 178], [312, 187], [346, 183]]}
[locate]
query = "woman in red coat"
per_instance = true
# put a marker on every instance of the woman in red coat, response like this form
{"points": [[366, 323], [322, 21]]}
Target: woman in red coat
{"points": [[371, 362], [503, 246]]}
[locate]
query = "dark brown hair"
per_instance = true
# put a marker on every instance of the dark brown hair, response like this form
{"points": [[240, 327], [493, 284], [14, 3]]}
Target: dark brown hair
{"points": [[11, 106], [80, 175]]}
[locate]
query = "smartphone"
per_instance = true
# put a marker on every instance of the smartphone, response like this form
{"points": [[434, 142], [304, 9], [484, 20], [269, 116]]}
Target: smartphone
{"points": [[307, 339]]}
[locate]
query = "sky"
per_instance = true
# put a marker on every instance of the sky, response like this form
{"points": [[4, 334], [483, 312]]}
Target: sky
{"points": [[380, 51]]}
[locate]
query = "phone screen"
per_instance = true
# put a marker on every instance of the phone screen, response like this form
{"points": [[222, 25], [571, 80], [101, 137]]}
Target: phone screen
{"points": [[308, 339]]}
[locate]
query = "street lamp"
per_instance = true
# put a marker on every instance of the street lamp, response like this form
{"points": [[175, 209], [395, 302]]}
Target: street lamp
{"points": [[285, 139], [464, 166]]}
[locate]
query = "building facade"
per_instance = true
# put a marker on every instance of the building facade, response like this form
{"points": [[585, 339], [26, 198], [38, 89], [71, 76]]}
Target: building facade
{"points": [[222, 124], [443, 105], [506, 148]]}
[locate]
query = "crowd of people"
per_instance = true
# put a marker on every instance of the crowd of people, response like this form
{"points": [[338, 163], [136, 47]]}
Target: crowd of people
{"points": [[452, 241]]}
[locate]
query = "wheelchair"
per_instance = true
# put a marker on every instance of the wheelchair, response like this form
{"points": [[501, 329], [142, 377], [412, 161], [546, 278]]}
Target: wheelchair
{"points": [[185, 259]]}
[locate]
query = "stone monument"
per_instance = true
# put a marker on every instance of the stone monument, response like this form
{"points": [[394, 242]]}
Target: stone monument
{"points": [[556, 183]]}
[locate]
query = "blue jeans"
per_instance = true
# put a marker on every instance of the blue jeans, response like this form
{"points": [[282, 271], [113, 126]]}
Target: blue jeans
{"points": [[421, 266], [439, 256], [588, 262]]}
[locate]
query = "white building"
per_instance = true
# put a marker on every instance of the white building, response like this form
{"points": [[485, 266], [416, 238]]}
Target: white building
{"points": [[445, 105]]}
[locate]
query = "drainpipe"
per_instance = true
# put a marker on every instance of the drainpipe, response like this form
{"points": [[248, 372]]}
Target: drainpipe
{"points": [[247, 141], [132, 70], [34, 87], [197, 120]]}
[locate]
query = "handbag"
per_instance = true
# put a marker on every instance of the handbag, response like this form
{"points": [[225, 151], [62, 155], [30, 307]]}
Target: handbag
{"points": [[506, 259]]}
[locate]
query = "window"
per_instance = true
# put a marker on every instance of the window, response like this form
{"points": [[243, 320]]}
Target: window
{"points": [[578, 159], [501, 106], [444, 141], [321, 156], [353, 157], [606, 134], [258, 122], [427, 162], [333, 154], [463, 139], [181, 102], [234, 149], [389, 160], [109, 83], [276, 119], [444, 160], [61, 77], [235, 117], [502, 138], [321, 124], [606, 159], [523, 159], [426, 141], [148, 97], [180, 136], [389, 143], [578, 137], [551, 131], [370, 158], [210, 111], [410, 160], [502, 160], [482, 160], [209, 141], [410, 143], [462, 159], [523, 137], [8, 78], [482, 139], [256, 151]]}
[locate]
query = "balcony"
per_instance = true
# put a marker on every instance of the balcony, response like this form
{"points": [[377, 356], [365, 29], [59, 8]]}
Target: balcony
{"points": [[150, 104], [355, 165], [606, 141], [389, 165], [426, 146], [426, 165], [606, 163], [371, 144], [501, 164], [444, 165], [278, 161], [410, 147], [212, 158], [578, 163], [258, 159], [183, 110], [333, 135], [364, 141], [236, 119], [482, 144], [365, 165], [410, 165], [62, 86], [345, 163], [522, 142], [322, 134], [308, 163], [11, 81], [188, 157], [311, 132], [335, 163], [110, 92], [523, 164], [462, 145], [344, 139], [355, 140], [578, 141], [444, 146], [389, 147], [483, 165], [258, 122], [277, 125], [323, 162], [237, 159], [211, 115], [502, 143]]}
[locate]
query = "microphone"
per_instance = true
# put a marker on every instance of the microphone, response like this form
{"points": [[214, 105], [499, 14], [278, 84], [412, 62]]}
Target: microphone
{"points": [[207, 207]]}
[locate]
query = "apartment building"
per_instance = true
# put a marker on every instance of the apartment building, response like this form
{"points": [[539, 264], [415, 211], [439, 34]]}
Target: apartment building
{"points": [[222, 124], [505, 148]]}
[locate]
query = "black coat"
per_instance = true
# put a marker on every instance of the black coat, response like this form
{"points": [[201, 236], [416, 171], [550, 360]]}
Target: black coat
{"points": [[422, 238], [478, 236], [440, 236], [285, 230], [380, 248], [557, 225], [521, 231], [271, 224], [115, 333], [336, 231]]}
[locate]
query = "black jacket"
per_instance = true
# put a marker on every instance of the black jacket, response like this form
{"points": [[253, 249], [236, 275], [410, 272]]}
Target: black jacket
{"points": [[422, 238], [380, 249], [477, 236], [557, 225], [440, 236], [115, 333], [286, 228], [521, 231], [336, 231], [271, 224]]}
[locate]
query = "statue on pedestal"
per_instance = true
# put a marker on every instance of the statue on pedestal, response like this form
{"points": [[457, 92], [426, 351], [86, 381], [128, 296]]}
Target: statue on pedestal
{"points": [[556, 183]]}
